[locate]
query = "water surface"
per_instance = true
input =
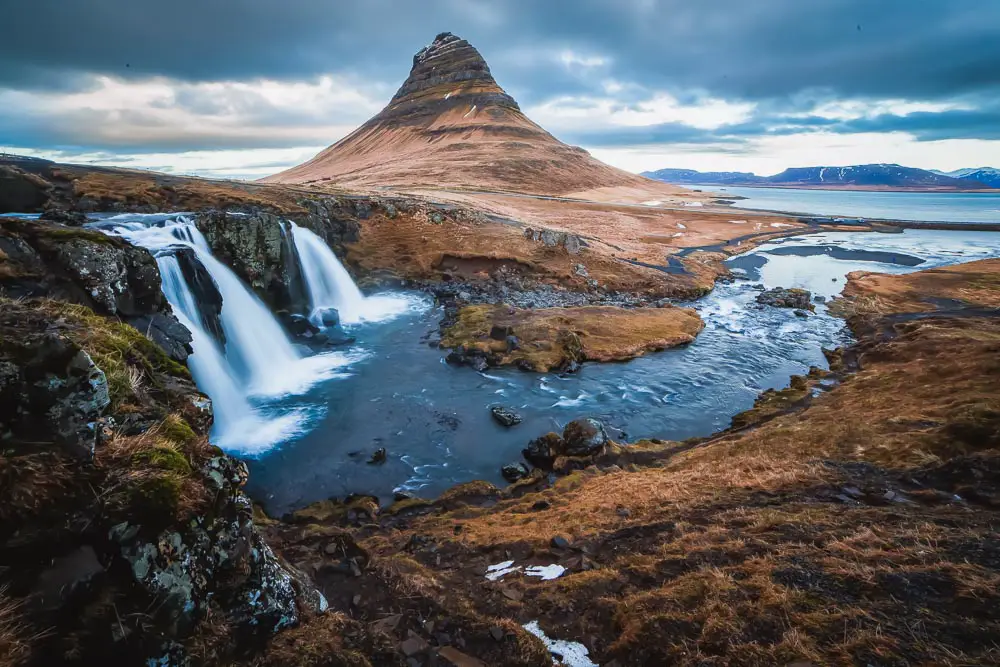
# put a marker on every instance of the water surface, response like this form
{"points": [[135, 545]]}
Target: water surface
{"points": [[434, 419], [970, 207]]}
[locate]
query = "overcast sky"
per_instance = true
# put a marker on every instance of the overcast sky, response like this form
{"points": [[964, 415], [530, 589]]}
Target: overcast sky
{"points": [[248, 87]]}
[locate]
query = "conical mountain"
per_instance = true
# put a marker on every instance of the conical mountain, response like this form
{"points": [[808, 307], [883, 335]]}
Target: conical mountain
{"points": [[451, 125]]}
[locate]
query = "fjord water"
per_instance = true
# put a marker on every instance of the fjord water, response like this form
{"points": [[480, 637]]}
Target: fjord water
{"points": [[968, 207], [434, 422]]}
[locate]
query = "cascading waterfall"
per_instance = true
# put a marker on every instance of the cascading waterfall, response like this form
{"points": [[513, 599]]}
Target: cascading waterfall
{"points": [[258, 359], [207, 363], [329, 285]]}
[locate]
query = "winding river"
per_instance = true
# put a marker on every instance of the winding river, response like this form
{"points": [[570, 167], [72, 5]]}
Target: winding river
{"points": [[434, 422]]}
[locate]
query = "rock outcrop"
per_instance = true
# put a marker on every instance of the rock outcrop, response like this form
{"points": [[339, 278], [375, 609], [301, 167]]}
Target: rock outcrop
{"points": [[125, 538], [451, 124], [42, 259], [787, 298]]}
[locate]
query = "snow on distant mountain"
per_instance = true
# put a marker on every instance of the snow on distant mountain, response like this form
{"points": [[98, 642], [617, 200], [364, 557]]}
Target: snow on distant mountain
{"points": [[859, 177], [986, 175]]}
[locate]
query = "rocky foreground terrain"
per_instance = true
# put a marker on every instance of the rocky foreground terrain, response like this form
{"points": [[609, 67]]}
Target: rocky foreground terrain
{"points": [[798, 535]]}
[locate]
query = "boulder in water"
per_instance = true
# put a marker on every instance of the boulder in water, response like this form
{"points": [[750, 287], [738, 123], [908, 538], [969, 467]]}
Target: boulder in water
{"points": [[505, 416], [514, 471], [62, 216], [786, 298], [328, 316], [379, 457], [584, 437], [541, 452], [297, 325]]}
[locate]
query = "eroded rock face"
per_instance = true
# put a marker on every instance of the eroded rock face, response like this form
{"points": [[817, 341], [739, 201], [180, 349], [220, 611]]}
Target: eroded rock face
{"points": [[84, 266], [219, 556], [205, 290], [257, 248], [111, 493], [54, 391], [21, 192]]}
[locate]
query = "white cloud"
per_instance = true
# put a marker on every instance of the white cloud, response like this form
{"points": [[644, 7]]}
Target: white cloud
{"points": [[164, 112], [770, 155], [589, 113], [248, 164]]}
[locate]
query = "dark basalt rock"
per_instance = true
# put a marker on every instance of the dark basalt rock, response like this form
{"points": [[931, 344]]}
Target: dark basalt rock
{"points": [[514, 471], [584, 437], [329, 317], [505, 416], [22, 192], [53, 393], [258, 249], [84, 266], [379, 457], [205, 290], [62, 216], [541, 452]]}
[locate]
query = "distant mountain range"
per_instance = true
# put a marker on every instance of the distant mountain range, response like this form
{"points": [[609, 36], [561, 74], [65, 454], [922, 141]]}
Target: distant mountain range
{"points": [[856, 177], [988, 175]]}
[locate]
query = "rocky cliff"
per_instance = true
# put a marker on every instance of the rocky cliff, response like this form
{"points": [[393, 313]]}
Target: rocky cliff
{"points": [[451, 125], [125, 538]]}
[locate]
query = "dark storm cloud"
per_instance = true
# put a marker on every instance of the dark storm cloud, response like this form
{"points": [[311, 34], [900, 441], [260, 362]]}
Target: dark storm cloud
{"points": [[786, 56], [731, 48]]}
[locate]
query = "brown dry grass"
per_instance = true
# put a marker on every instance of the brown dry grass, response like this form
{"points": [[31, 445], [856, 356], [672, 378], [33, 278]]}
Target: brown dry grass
{"points": [[744, 549], [16, 637], [974, 284], [551, 337]]}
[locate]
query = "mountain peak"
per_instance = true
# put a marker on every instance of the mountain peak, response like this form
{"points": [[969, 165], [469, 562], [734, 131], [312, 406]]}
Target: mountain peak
{"points": [[447, 73], [451, 125]]}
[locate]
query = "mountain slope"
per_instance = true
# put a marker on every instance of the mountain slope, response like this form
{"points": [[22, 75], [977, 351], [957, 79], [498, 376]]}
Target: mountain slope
{"points": [[986, 175], [451, 125], [690, 176], [859, 177]]}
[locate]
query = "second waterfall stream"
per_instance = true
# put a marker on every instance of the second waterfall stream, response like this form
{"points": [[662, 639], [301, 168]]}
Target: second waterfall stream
{"points": [[255, 362]]}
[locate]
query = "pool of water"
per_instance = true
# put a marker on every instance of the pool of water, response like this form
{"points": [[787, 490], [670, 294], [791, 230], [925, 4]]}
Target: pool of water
{"points": [[970, 207], [433, 419]]}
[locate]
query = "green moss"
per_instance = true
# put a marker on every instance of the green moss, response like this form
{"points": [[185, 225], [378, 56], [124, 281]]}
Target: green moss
{"points": [[156, 497], [164, 458], [401, 506], [126, 356], [175, 429], [70, 233]]}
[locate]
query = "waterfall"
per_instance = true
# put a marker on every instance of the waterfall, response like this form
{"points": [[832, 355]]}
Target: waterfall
{"points": [[207, 363], [329, 285], [258, 360]]}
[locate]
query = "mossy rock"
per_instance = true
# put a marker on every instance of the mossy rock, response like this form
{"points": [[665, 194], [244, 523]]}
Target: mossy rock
{"points": [[155, 499], [164, 457], [176, 430]]}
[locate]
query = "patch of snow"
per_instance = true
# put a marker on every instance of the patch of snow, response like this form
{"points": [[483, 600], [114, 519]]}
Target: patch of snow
{"points": [[681, 225], [738, 222], [780, 224], [500, 570], [470, 111], [652, 202], [568, 654], [693, 203], [546, 572], [673, 236]]}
